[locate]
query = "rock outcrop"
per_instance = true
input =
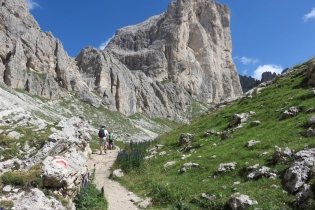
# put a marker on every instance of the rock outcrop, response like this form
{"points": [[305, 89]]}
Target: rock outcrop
{"points": [[311, 73], [35, 199], [267, 76], [189, 44], [299, 171], [131, 91], [239, 201], [31, 59], [248, 83]]}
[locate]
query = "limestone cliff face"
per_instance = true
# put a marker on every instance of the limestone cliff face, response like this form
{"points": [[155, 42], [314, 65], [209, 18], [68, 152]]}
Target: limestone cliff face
{"points": [[156, 67], [130, 92], [189, 44], [31, 59]]}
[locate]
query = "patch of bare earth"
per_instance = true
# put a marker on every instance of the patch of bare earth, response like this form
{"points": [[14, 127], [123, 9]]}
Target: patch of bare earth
{"points": [[118, 197]]}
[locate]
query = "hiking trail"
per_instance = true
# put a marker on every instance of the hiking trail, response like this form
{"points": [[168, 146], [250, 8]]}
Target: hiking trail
{"points": [[117, 196]]}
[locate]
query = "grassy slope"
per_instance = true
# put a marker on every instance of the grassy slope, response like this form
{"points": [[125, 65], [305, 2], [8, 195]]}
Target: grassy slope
{"points": [[172, 190]]}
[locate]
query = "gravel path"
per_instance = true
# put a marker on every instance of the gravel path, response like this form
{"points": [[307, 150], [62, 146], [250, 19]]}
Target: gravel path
{"points": [[117, 196]]}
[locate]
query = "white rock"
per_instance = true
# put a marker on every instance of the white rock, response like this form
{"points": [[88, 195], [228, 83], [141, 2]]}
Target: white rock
{"points": [[7, 188]]}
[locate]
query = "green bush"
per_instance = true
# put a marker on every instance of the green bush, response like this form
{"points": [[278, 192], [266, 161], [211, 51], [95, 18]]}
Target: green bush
{"points": [[162, 194], [31, 177], [13, 178], [132, 157], [90, 198]]}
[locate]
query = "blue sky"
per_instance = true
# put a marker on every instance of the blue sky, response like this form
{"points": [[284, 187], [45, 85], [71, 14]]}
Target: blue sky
{"points": [[267, 35]]}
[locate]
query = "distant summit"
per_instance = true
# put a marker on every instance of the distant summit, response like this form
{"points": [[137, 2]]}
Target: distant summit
{"points": [[248, 83]]}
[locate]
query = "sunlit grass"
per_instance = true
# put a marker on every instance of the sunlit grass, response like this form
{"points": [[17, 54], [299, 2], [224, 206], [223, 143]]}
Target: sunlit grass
{"points": [[173, 190]]}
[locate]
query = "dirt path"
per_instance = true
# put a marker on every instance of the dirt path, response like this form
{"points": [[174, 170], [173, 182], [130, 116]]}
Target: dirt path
{"points": [[118, 197]]}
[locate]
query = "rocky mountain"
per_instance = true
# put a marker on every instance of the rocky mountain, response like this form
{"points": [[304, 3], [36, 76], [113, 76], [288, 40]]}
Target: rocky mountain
{"points": [[189, 45], [248, 83], [184, 63], [177, 57], [267, 76]]}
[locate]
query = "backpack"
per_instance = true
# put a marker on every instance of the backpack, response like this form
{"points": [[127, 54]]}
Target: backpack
{"points": [[101, 133]]}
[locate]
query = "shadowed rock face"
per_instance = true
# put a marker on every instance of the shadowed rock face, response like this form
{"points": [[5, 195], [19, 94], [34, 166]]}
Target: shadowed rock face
{"points": [[267, 76], [248, 83], [311, 73], [189, 44], [130, 91]]}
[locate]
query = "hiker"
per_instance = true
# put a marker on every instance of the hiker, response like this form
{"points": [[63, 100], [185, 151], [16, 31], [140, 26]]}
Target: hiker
{"points": [[102, 134], [111, 141], [106, 141]]}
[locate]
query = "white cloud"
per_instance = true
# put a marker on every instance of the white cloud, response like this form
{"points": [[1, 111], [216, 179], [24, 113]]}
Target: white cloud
{"points": [[244, 72], [32, 4], [269, 67], [104, 44], [309, 15], [245, 60], [254, 61]]}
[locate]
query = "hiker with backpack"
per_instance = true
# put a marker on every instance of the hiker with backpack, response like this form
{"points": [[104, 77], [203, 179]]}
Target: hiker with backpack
{"points": [[111, 141], [102, 134]]}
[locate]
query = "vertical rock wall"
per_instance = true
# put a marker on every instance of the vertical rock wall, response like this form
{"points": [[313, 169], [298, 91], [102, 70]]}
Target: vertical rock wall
{"points": [[31, 59], [189, 44]]}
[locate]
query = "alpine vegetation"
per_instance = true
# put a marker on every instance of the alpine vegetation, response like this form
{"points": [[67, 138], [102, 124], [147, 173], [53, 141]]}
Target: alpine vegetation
{"points": [[227, 160]]}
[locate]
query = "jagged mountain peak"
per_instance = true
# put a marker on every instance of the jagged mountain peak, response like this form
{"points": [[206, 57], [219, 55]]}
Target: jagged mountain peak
{"points": [[189, 44]]}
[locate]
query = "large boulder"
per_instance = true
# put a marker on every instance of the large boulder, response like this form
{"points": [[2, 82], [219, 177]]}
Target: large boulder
{"points": [[311, 121], [185, 139], [239, 201], [63, 157], [281, 156], [226, 167], [291, 112], [302, 197], [238, 119], [64, 171], [299, 172]]}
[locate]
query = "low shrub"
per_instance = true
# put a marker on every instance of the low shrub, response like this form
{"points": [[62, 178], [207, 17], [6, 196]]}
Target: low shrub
{"points": [[162, 194], [13, 178], [31, 177], [132, 157], [90, 198]]}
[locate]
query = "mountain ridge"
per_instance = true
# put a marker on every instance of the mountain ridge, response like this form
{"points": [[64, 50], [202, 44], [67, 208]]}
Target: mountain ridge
{"points": [[37, 62]]}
